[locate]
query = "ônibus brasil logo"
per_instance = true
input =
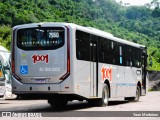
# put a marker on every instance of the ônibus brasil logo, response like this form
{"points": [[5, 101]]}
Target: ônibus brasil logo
{"points": [[40, 58]]}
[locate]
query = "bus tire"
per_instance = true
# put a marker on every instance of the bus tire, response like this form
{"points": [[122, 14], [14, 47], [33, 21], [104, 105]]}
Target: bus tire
{"points": [[102, 102], [137, 94], [134, 99], [105, 96]]}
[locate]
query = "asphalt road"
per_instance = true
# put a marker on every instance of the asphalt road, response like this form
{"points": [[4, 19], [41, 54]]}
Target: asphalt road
{"points": [[147, 104]]}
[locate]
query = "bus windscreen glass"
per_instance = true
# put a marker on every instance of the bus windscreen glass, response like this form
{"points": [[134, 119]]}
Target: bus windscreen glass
{"points": [[40, 38]]}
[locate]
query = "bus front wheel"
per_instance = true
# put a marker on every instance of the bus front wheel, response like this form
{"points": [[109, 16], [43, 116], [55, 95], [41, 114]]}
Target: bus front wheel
{"points": [[136, 98], [137, 94]]}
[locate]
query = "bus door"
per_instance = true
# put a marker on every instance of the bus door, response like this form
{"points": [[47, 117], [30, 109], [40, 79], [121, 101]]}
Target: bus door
{"points": [[144, 72], [93, 69]]}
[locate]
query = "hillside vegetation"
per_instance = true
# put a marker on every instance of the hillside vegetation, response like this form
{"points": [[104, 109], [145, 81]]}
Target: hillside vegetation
{"points": [[137, 24]]}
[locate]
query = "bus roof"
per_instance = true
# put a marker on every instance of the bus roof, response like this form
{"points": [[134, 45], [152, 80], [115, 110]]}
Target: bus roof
{"points": [[86, 29], [107, 35]]}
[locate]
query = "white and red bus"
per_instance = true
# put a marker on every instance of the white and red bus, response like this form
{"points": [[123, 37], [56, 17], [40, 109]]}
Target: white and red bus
{"points": [[64, 61]]}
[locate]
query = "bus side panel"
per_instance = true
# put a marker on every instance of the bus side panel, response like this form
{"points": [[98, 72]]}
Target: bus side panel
{"points": [[82, 78], [131, 82], [68, 85], [121, 83], [137, 73], [109, 73]]}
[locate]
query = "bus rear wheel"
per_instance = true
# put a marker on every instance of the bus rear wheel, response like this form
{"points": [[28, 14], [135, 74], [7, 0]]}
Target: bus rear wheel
{"points": [[137, 94], [102, 102]]}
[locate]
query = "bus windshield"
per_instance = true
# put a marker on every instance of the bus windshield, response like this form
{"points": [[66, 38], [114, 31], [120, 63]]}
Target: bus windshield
{"points": [[40, 38]]}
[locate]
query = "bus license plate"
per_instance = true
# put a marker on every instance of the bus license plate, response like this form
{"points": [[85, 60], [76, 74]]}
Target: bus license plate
{"points": [[40, 80]]}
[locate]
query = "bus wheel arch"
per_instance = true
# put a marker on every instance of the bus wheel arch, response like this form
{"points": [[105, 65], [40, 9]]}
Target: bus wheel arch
{"points": [[138, 92]]}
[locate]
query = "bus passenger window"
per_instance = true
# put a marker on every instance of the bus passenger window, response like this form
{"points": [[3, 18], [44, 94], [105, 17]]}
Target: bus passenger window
{"points": [[104, 50], [114, 53], [128, 55], [137, 57], [120, 55], [82, 45]]}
